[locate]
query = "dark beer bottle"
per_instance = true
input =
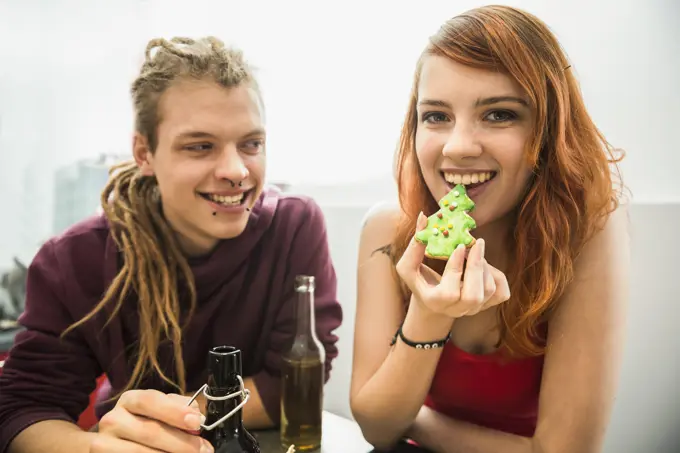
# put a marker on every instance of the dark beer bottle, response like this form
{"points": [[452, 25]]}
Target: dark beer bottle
{"points": [[302, 376], [224, 378]]}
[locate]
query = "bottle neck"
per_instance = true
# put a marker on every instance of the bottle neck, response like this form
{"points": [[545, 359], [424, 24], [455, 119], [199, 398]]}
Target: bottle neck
{"points": [[305, 315], [224, 369], [218, 409]]}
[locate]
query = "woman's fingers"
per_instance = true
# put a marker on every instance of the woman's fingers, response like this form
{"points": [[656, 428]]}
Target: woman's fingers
{"points": [[489, 282], [473, 284], [450, 285], [455, 264], [489, 291], [463, 289], [430, 276], [501, 287]]}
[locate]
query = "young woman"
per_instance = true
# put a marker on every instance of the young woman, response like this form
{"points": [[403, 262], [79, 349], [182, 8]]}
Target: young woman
{"points": [[531, 319], [192, 252]]}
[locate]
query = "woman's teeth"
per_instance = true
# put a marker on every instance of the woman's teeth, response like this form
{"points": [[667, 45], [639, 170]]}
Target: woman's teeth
{"points": [[227, 200], [467, 178]]}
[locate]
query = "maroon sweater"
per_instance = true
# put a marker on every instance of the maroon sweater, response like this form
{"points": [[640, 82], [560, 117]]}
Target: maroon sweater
{"points": [[245, 299]]}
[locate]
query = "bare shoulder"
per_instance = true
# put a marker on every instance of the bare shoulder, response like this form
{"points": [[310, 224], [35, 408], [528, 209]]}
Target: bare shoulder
{"points": [[587, 333], [378, 229], [609, 245], [601, 271]]}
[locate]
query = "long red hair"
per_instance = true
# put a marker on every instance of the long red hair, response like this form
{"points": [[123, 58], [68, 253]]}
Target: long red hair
{"points": [[572, 190]]}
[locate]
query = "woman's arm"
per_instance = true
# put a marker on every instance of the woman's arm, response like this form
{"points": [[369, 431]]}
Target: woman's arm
{"points": [[582, 362], [389, 384], [442, 434]]}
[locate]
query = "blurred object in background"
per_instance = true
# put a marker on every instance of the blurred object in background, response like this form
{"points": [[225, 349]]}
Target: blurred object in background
{"points": [[284, 186], [78, 187], [12, 295]]}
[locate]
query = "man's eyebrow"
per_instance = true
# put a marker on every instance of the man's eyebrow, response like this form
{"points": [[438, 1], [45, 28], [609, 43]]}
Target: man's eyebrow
{"points": [[196, 134], [202, 134]]}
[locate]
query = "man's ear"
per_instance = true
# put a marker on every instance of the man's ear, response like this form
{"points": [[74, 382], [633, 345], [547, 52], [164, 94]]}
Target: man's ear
{"points": [[142, 154]]}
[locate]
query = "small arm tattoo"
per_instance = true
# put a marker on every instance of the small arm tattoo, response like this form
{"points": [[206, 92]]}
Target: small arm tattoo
{"points": [[385, 249]]}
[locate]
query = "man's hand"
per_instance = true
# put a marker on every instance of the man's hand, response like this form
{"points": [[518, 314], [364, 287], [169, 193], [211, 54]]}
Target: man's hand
{"points": [[149, 421], [254, 414]]}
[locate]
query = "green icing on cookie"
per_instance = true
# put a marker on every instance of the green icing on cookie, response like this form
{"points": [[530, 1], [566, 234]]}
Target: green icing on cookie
{"points": [[450, 226]]}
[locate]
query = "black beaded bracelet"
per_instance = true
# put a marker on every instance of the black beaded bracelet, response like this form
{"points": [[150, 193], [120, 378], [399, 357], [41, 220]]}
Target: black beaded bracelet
{"points": [[419, 345]]}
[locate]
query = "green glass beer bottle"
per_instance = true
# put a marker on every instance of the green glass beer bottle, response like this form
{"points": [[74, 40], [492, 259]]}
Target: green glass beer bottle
{"points": [[302, 376]]}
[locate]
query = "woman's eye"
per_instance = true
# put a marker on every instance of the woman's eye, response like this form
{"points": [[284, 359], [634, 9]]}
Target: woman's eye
{"points": [[501, 116], [434, 118]]}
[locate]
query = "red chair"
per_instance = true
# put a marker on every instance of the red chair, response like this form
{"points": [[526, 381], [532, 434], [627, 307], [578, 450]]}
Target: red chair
{"points": [[88, 418]]}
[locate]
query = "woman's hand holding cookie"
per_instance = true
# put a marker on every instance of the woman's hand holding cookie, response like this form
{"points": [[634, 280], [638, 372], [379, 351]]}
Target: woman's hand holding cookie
{"points": [[462, 289]]}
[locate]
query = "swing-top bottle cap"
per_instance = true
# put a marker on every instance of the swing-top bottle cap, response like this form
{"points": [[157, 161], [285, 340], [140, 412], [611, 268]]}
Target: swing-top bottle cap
{"points": [[224, 367], [304, 283]]}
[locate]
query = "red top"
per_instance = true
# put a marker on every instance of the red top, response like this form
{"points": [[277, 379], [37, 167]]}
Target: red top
{"points": [[487, 391]]}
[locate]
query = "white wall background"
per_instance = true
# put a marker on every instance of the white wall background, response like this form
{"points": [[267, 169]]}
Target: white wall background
{"points": [[336, 77]]}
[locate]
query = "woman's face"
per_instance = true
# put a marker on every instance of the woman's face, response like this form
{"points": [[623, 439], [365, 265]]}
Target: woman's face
{"points": [[473, 127], [209, 162]]}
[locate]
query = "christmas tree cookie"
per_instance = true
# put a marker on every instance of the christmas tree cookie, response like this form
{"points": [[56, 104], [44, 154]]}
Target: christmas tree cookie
{"points": [[450, 226]]}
